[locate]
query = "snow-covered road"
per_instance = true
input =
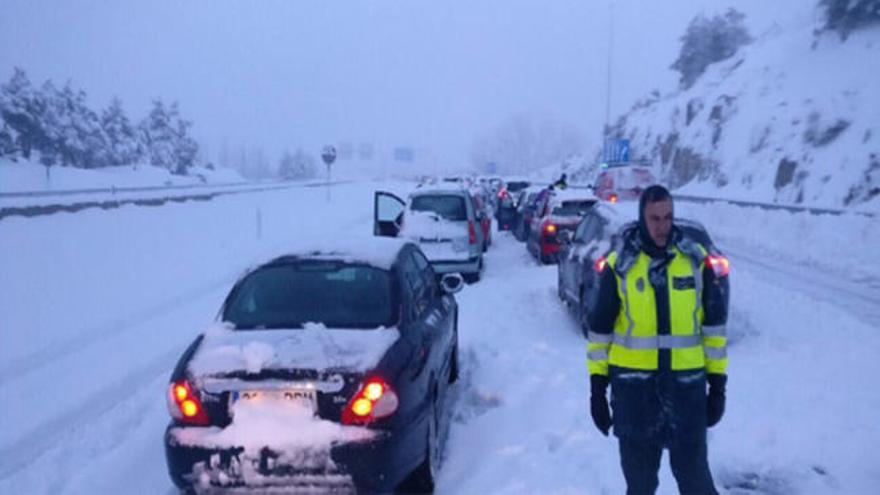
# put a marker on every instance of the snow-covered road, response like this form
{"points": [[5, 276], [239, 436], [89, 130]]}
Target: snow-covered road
{"points": [[98, 305]]}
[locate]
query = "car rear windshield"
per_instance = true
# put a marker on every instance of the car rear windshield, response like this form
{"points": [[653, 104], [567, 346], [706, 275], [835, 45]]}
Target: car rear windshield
{"points": [[337, 294], [572, 208], [447, 206], [517, 186]]}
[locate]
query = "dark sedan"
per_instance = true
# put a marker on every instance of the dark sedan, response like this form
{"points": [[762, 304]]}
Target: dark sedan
{"points": [[328, 370], [582, 256]]}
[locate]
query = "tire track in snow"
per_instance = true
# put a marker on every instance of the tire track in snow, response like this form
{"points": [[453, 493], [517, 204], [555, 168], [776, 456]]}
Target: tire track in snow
{"points": [[49, 433], [860, 297]]}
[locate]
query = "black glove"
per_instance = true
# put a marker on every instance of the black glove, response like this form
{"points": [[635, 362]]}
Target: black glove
{"points": [[715, 400], [599, 403]]}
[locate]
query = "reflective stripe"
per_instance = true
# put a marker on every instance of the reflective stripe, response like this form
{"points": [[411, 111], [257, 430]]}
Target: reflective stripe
{"points": [[599, 338], [716, 352], [630, 323], [658, 341], [715, 330], [598, 355]]}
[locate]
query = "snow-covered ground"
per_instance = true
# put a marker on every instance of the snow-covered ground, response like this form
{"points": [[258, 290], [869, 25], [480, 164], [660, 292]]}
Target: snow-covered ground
{"points": [[98, 305]]}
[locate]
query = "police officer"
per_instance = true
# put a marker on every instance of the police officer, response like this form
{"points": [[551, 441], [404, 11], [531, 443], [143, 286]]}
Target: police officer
{"points": [[657, 335]]}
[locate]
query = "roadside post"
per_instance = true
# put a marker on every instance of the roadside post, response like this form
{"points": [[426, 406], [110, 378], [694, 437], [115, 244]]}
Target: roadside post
{"points": [[329, 156]]}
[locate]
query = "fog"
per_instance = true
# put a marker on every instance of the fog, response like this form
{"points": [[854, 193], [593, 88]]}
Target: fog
{"points": [[279, 74]]}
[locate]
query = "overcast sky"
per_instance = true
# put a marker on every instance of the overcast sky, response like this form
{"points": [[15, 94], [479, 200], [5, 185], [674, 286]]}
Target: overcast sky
{"points": [[280, 74]]}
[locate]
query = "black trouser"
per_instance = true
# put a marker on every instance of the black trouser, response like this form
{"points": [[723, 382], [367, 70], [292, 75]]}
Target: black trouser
{"points": [[640, 460]]}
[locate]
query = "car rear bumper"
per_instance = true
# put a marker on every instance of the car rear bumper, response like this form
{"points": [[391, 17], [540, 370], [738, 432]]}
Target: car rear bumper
{"points": [[372, 465]]}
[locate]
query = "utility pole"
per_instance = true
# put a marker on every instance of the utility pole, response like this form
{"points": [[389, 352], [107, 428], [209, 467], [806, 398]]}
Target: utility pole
{"points": [[608, 73]]}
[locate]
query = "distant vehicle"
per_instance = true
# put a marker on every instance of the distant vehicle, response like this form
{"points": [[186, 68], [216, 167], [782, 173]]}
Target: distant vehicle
{"points": [[507, 204], [582, 256], [623, 182], [445, 223], [534, 204], [328, 370], [562, 212]]}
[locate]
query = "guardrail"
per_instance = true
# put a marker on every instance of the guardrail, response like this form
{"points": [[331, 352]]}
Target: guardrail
{"points": [[39, 210], [114, 190], [773, 206]]}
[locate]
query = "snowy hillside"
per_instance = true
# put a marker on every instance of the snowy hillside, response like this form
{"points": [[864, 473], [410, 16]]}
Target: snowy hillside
{"points": [[792, 118]]}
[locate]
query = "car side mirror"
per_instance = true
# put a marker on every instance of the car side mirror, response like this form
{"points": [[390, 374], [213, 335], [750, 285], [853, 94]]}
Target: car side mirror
{"points": [[565, 236], [451, 283]]}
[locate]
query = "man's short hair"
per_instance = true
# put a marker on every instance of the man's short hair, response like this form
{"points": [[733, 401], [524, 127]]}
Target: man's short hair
{"points": [[653, 194]]}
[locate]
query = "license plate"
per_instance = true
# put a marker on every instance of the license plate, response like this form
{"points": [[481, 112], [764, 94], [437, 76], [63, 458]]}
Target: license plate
{"points": [[294, 397]]}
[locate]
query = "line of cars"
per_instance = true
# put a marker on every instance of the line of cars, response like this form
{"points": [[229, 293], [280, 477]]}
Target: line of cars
{"points": [[330, 367]]}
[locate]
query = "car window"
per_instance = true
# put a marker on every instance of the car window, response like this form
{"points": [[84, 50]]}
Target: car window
{"points": [[573, 207], [339, 295], [429, 278], [416, 284], [590, 229], [450, 207]]}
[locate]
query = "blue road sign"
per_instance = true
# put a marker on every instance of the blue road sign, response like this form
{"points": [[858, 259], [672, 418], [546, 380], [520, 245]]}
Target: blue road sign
{"points": [[616, 150]]}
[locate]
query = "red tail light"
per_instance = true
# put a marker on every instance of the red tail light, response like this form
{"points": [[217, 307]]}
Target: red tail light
{"points": [[374, 400], [502, 194], [600, 264], [550, 228], [472, 233], [720, 264], [185, 406], [613, 198]]}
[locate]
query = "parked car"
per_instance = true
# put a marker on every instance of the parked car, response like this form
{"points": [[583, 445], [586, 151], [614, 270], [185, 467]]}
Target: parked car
{"points": [[623, 182], [562, 212], [507, 203], [582, 256], [444, 222], [534, 204], [328, 370]]}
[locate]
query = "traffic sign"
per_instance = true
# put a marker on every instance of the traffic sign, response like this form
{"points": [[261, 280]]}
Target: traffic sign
{"points": [[329, 154], [616, 150]]}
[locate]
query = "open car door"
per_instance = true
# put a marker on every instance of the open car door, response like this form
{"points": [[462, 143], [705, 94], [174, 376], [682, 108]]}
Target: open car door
{"points": [[387, 214]]}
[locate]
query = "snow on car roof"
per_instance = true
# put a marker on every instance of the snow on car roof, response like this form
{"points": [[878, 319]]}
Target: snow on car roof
{"points": [[560, 195], [427, 191], [376, 251]]}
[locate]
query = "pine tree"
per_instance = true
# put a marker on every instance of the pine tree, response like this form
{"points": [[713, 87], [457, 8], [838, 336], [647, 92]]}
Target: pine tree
{"points": [[123, 147], [20, 109], [185, 147], [158, 136], [8, 148]]}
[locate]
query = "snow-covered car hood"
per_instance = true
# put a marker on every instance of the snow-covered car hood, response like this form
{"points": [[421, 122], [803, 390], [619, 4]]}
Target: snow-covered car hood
{"points": [[314, 347]]}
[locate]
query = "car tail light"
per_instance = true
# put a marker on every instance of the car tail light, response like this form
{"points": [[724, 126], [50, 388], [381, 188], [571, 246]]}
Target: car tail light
{"points": [[550, 228], [719, 263], [374, 400], [502, 194], [600, 264], [185, 406], [613, 198], [472, 233]]}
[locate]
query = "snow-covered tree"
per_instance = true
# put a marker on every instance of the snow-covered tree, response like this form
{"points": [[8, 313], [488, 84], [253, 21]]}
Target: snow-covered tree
{"points": [[845, 16], [709, 40], [123, 146], [523, 143], [8, 148], [298, 166], [159, 136], [21, 110]]}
